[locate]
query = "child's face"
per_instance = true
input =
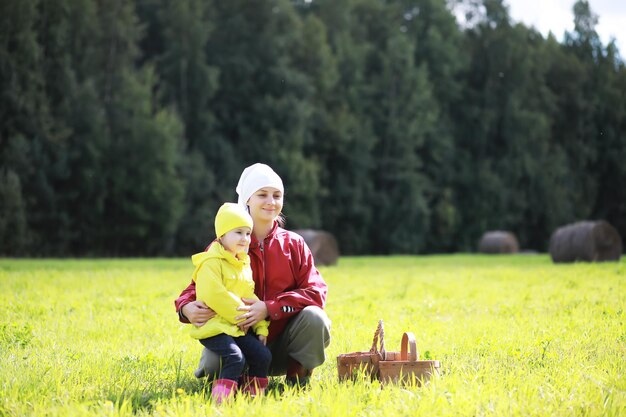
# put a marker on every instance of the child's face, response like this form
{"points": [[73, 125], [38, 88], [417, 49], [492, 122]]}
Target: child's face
{"points": [[237, 241], [266, 204]]}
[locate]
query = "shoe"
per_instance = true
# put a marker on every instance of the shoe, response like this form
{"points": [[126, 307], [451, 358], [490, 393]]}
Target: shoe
{"points": [[254, 386], [223, 390], [297, 375], [297, 382]]}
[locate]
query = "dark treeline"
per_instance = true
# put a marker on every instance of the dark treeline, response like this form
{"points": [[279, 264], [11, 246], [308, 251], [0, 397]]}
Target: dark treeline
{"points": [[124, 124]]}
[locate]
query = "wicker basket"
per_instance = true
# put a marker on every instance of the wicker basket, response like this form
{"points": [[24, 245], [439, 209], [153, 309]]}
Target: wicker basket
{"points": [[351, 365], [404, 367], [389, 367]]}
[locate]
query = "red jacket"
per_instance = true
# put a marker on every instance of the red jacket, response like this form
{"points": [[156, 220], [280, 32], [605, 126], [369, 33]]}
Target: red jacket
{"points": [[284, 275]]}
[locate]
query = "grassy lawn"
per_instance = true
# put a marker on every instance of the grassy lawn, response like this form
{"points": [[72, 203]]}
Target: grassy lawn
{"points": [[516, 336]]}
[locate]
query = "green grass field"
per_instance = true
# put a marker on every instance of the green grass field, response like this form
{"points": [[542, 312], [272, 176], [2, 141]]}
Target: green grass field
{"points": [[516, 336]]}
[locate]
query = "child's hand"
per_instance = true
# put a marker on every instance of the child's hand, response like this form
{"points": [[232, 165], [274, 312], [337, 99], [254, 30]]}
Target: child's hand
{"points": [[263, 339]]}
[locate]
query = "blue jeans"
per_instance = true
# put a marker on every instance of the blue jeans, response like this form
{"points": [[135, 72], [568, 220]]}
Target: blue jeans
{"points": [[236, 352], [304, 339]]}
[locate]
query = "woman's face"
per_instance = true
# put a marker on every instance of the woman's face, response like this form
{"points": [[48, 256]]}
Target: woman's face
{"points": [[265, 204]]}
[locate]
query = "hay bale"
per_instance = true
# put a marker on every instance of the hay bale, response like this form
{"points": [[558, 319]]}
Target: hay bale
{"points": [[323, 245], [589, 241], [498, 241]]}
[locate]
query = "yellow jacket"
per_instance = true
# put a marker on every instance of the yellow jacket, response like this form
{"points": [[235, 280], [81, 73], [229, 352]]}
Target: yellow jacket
{"points": [[221, 281]]}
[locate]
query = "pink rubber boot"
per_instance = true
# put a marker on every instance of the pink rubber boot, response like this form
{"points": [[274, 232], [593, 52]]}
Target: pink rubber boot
{"points": [[223, 389], [254, 385]]}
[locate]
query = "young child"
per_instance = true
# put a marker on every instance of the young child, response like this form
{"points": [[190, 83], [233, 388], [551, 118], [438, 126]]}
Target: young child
{"points": [[223, 277]]}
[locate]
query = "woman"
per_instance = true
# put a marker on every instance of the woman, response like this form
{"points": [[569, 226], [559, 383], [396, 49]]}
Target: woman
{"points": [[291, 291]]}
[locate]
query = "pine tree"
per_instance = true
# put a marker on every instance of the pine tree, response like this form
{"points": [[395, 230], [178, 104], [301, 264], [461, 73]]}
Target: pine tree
{"points": [[510, 172], [24, 127], [344, 141], [436, 41], [262, 105], [178, 36], [143, 194], [13, 227], [597, 106], [403, 113]]}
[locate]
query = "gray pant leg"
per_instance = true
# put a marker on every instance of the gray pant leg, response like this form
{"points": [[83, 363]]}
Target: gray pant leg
{"points": [[304, 339], [209, 364]]}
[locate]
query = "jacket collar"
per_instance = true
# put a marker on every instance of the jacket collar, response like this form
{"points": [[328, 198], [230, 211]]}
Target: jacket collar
{"points": [[216, 250], [254, 243]]}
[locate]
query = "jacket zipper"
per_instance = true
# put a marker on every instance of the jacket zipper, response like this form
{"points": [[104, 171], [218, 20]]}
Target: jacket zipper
{"points": [[263, 262]]}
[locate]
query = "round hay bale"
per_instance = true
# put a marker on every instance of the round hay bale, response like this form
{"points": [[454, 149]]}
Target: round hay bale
{"points": [[323, 245], [589, 241], [498, 241]]}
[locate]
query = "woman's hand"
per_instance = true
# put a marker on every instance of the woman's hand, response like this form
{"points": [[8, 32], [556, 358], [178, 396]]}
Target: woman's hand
{"points": [[254, 312], [263, 339], [197, 313]]}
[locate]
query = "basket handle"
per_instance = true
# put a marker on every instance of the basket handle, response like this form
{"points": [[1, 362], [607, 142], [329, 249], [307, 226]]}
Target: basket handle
{"points": [[408, 340], [380, 332]]}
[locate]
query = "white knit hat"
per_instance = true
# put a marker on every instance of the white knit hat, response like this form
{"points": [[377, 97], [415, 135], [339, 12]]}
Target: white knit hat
{"points": [[254, 178]]}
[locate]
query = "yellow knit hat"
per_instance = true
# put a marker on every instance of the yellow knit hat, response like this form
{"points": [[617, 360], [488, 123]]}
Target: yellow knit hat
{"points": [[231, 216]]}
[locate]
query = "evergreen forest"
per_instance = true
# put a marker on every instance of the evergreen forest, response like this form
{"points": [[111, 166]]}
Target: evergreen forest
{"points": [[124, 124]]}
